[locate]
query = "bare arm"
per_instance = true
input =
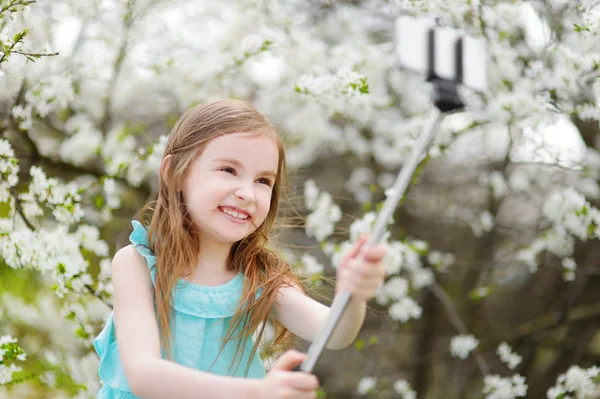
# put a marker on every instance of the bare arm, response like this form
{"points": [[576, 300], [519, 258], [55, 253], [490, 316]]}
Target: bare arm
{"points": [[305, 317], [360, 275], [149, 375]]}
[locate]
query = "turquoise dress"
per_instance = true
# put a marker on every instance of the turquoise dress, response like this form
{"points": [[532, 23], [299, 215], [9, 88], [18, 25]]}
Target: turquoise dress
{"points": [[202, 317]]}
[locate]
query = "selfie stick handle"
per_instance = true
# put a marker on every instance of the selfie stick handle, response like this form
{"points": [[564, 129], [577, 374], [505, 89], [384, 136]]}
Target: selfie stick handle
{"points": [[341, 301]]}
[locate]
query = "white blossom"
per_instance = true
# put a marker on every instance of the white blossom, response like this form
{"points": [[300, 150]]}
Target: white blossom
{"points": [[52, 94], [359, 184], [569, 209], [394, 289], [569, 269], [405, 309], [81, 147], [498, 184], [6, 372], [403, 388], [497, 387], [392, 262], [320, 223], [310, 265], [511, 359], [462, 345], [575, 383], [9, 168], [366, 384], [362, 226], [112, 193], [440, 260], [422, 278], [311, 194], [7, 365], [334, 90]]}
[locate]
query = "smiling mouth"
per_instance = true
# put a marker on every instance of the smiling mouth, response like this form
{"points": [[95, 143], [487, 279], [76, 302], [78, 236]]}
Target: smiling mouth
{"points": [[238, 215]]}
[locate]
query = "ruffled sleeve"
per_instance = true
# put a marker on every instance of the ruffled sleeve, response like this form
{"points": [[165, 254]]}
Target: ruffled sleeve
{"points": [[110, 369], [139, 238]]}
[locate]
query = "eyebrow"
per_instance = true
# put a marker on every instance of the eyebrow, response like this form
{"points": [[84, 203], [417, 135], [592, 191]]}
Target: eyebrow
{"points": [[237, 163]]}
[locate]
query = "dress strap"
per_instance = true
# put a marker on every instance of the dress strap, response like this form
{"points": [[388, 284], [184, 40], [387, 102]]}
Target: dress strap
{"points": [[139, 238]]}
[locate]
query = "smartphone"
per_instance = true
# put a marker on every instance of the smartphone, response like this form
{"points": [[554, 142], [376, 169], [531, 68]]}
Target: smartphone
{"points": [[425, 47]]}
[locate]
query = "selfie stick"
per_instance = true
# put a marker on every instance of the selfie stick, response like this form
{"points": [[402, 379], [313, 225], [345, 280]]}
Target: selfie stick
{"points": [[446, 100]]}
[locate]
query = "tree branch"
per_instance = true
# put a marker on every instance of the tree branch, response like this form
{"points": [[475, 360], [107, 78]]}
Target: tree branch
{"points": [[107, 117], [19, 209], [458, 324]]}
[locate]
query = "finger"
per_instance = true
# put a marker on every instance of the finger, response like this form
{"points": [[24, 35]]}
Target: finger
{"points": [[363, 274], [289, 359], [302, 381], [375, 253], [297, 394], [356, 248]]}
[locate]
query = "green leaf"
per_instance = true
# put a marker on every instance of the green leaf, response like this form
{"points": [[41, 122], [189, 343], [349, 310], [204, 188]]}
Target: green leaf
{"points": [[123, 133], [476, 295], [4, 209], [364, 86], [359, 344], [99, 201], [591, 229], [266, 45], [80, 332], [61, 268]]}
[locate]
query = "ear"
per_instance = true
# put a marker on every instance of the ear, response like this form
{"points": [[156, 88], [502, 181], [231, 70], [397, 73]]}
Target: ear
{"points": [[164, 166]]}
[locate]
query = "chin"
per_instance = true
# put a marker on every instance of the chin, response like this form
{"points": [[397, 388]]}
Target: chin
{"points": [[232, 239]]}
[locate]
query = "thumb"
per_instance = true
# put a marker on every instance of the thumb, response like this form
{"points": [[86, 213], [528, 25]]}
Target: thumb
{"points": [[289, 359]]}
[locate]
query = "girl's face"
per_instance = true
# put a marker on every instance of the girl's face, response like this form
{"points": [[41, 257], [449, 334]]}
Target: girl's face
{"points": [[227, 189]]}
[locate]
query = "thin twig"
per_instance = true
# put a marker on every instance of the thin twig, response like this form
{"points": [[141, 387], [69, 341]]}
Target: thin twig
{"points": [[35, 55], [456, 321], [552, 319], [94, 293], [20, 209]]}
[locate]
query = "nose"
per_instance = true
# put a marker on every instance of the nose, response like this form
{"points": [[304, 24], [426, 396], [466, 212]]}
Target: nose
{"points": [[245, 193]]}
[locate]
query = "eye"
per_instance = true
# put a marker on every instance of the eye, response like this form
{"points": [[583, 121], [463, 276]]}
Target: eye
{"points": [[228, 169], [264, 180]]}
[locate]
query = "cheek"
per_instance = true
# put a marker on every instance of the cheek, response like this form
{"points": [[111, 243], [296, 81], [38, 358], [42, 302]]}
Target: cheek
{"points": [[264, 198]]}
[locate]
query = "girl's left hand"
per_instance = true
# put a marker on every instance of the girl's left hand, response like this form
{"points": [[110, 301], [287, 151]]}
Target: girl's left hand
{"points": [[362, 275]]}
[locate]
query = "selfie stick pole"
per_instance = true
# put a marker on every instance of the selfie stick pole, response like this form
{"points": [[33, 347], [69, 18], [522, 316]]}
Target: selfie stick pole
{"points": [[446, 100]]}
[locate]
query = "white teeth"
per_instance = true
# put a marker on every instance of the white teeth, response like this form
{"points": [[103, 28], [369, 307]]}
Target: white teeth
{"points": [[235, 214]]}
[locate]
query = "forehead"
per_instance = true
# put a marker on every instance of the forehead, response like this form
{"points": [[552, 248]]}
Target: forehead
{"points": [[253, 150]]}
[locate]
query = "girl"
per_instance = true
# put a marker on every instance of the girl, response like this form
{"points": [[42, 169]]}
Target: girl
{"points": [[198, 282]]}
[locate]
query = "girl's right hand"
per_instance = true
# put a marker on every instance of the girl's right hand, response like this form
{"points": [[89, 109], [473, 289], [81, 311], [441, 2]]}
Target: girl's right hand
{"points": [[281, 382]]}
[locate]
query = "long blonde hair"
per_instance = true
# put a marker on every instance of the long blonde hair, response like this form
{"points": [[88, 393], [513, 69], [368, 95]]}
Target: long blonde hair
{"points": [[176, 243]]}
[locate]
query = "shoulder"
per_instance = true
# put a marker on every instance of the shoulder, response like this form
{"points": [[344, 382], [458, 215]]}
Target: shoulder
{"points": [[128, 267], [289, 293]]}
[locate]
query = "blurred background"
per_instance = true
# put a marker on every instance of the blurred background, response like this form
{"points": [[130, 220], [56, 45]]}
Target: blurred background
{"points": [[492, 287]]}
